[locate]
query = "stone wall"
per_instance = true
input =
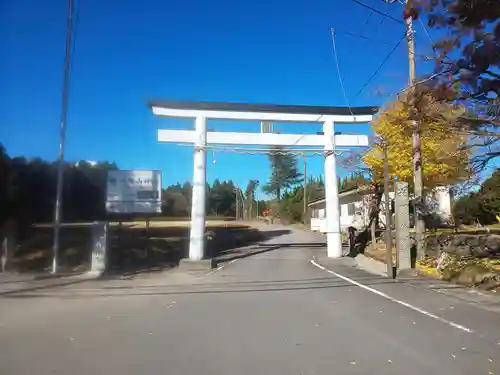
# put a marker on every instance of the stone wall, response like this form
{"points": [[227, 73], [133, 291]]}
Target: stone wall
{"points": [[463, 244]]}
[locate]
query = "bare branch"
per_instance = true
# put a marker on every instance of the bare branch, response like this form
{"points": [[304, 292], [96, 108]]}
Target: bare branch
{"points": [[496, 75]]}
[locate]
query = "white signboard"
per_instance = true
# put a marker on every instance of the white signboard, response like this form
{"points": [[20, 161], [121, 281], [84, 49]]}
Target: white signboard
{"points": [[133, 192]]}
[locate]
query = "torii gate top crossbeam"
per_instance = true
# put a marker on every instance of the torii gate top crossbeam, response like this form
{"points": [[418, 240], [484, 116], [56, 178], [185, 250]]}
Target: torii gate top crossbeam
{"points": [[262, 112]]}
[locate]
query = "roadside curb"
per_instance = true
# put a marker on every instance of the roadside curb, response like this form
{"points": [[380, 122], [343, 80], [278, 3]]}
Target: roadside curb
{"points": [[371, 265]]}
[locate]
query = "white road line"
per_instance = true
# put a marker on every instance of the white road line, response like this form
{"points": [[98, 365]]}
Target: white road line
{"points": [[214, 271], [375, 291], [217, 269]]}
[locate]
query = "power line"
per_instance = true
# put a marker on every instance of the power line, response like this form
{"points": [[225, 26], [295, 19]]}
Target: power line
{"points": [[428, 37], [270, 151], [378, 12], [367, 38], [378, 41], [420, 21], [338, 71], [62, 134], [381, 65], [431, 77], [75, 31]]}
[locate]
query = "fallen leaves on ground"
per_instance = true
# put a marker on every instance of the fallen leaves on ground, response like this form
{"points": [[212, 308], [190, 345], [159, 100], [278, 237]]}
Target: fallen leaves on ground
{"points": [[469, 271]]}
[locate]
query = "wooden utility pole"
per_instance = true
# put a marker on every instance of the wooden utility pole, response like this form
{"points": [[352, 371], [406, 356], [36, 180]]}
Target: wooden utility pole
{"points": [[237, 203], [250, 209], [305, 189], [62, 136], [416, 142], [388, 213]]}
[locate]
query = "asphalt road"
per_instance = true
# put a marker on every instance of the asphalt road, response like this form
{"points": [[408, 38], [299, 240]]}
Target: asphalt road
{"points": [[277, 312]]}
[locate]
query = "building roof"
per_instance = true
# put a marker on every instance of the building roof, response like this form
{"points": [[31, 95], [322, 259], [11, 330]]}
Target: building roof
{"points": [[342, 193], [363, 189], [262, 108]]}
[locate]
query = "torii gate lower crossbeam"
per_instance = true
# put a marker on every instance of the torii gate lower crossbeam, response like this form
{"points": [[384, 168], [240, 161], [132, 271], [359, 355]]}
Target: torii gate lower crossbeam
{"points": [[200, 138]]}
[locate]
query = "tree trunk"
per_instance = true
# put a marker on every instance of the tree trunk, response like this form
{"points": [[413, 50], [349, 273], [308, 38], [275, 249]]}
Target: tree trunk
{"points": [[376, 200], [373, 230]]}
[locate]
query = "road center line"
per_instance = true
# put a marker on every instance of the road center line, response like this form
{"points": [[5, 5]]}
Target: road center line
{"points": [[386, 296]]}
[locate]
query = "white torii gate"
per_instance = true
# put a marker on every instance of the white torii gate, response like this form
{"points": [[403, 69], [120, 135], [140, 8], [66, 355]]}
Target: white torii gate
{"points": [[200, 138]]}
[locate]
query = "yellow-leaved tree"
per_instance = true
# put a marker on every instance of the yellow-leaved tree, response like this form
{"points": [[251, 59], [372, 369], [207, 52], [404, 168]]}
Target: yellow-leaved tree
{"points": [[445, 155]]}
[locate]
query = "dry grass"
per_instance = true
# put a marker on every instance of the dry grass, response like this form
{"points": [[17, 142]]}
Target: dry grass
{"points": [[166, 241], [380, 252], [179, 224], [152, 224]]}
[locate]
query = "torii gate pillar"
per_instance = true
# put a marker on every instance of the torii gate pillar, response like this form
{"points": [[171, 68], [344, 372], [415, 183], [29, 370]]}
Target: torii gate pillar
{"points": [[332, 207], [198, 205]]}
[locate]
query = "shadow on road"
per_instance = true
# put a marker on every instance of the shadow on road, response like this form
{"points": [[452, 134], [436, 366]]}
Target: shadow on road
{"points": [[132, 251], [261, 248], [38, 287], [137, 251], [295, 244]]}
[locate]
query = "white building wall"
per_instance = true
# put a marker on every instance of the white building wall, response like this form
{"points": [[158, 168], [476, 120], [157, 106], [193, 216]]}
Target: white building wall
{"points": [[439, 201], [381, 214]]}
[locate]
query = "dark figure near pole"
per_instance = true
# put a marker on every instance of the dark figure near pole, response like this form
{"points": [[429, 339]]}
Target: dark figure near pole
{"points": [[352, 241]]}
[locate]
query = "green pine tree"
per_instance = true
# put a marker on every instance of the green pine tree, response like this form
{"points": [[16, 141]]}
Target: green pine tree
{"points": [[284, 173]]}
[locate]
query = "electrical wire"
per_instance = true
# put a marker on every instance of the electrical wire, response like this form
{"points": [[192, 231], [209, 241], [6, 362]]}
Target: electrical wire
{"points": [[320, 151], [367, 38], [381, 66], [421, 81], [421, 24], [377, 41], [268, 151], [338, 71], [378, 11], [429, 37], [75, 32]]}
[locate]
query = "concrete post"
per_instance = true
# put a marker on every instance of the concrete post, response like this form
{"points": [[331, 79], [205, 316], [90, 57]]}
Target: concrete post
{"points": [[8, 242], [197, 235], [99, 261], [333, 236], [402, 224]]}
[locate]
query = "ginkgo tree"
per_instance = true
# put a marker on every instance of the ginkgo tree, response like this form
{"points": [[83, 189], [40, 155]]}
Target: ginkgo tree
{"points": [[445, 155]]}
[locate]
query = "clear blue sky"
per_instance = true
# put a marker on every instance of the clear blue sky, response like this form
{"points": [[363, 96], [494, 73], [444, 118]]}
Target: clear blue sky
{"points": [[127, 52]]}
